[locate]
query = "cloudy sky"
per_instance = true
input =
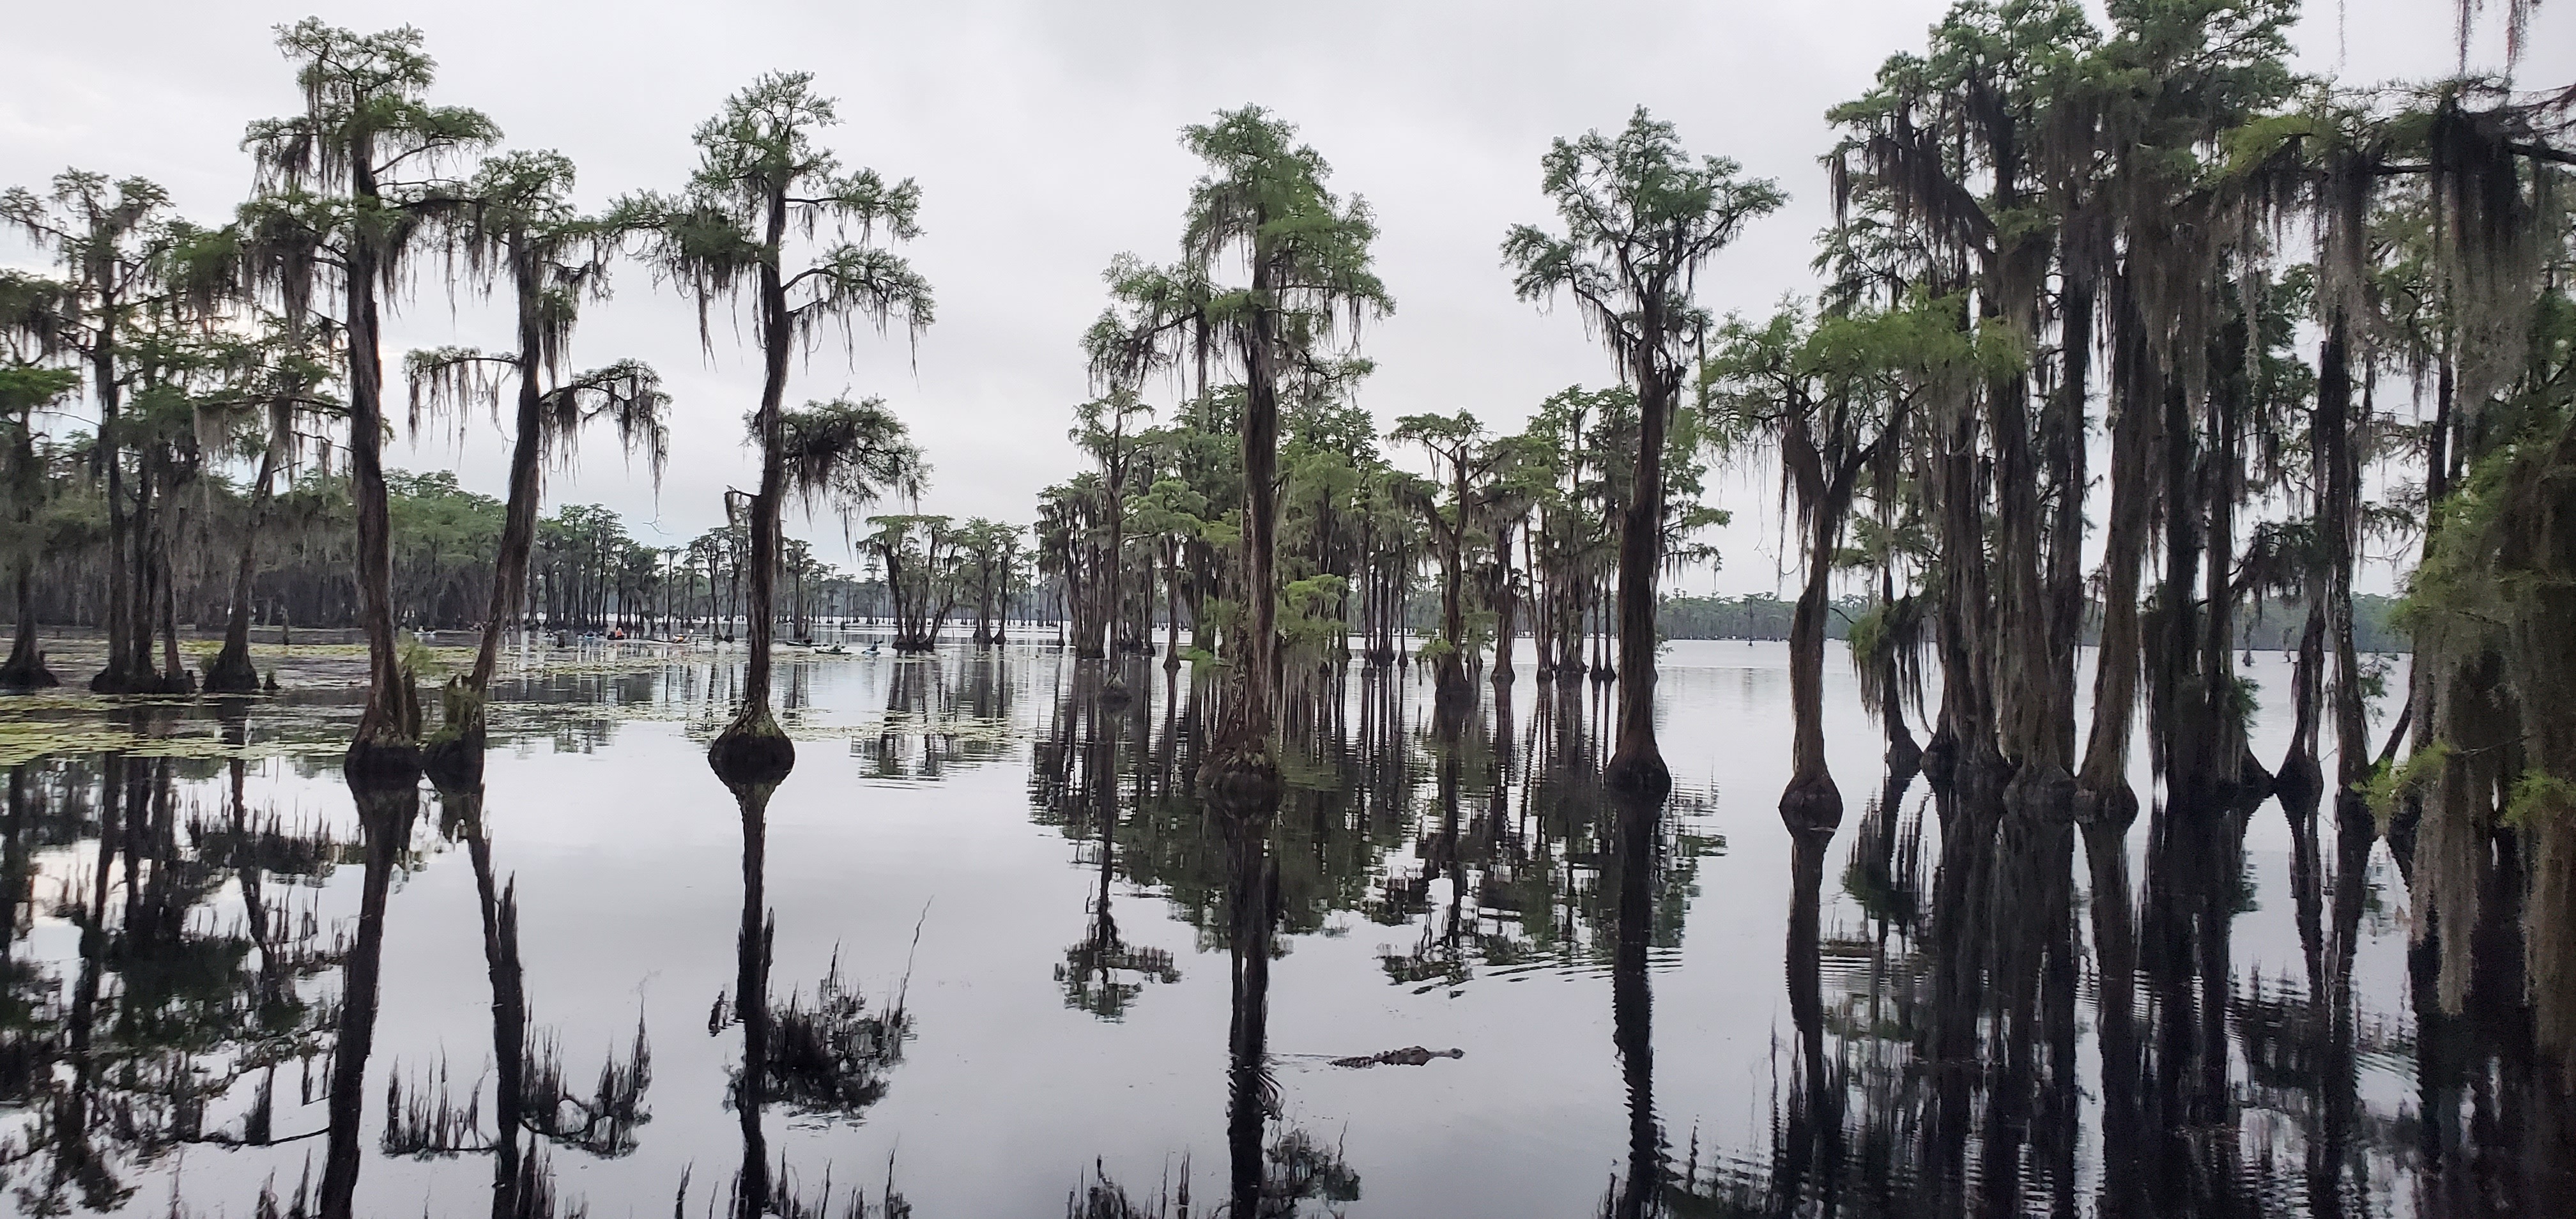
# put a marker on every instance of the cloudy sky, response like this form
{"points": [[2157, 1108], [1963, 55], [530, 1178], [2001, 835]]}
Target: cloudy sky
{"points": [[1043, 134]]}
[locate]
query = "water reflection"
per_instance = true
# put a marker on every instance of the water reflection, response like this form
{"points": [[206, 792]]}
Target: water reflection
{"points": [[385, 813], [1983, 1006], [1076, 784]]}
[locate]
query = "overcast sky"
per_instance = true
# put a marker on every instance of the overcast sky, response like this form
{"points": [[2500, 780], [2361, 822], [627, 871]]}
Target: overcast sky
{"points": [[1043, 134]]}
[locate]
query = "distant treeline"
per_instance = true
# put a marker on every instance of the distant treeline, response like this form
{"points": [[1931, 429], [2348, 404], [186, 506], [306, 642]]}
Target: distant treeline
{"points": [[2270, 626]]}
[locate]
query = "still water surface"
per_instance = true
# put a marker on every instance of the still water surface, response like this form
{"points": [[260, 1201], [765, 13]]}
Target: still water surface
{"points": [[1018, 962]]}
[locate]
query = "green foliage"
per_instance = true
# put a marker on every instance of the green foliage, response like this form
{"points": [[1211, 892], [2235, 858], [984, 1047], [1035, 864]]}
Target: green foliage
{"points": [[761, 177], [848, 454], [2539, 799], [2389, 786], [419, 659]]}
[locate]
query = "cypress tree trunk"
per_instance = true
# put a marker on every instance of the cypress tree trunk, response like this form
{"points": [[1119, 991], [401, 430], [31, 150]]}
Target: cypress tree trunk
{"points": [[120, 674], [752, 749], [2339, 530], [389, 729], [2064, 440], [2104, 795], [26, 669], [519, 519], [1637, 764], [1959, 533], [1113, 587], [2190, 759], [1450, 684], [2025, 693], [174, 677], [1172, 612], [232, 672], [1239, 760], [1507, 604], [1904, 757], [1811, 803]]}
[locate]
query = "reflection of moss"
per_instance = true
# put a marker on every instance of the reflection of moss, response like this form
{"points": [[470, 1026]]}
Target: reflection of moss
{"points": [[28, 1021], [1367, 822], [829, 1056], [183, 994]]}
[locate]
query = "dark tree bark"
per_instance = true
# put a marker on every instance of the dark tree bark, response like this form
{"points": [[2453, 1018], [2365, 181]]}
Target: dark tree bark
{"points": [[388, 734], [752, 749], [123, 669], [232, 671], [1239, 759], [1637, 763], [2104, 794], [26, 669]]}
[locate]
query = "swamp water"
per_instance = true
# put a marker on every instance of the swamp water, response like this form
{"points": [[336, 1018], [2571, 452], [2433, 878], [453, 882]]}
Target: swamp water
{"points": [[1016, 967]]}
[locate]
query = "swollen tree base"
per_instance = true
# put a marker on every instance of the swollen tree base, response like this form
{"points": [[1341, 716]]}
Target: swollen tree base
{"points": [[1451, 691], [26, 668], [2108, 807], [142, 679], [1904, 757], [385, 753], [231, 671], [1812, 804], [1240, 775], [2044, 793], [752, 751], [1940, 759], [2301, 784], [382, 764], [1639, 773], [452, 757]]}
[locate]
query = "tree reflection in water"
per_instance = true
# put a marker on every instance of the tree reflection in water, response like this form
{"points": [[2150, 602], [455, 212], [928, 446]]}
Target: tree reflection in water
{"points": [[1273, 1168], [1101, 973], [171, 1030], [827, 1057], [205, 982], [2003, 1029], [2002, 1012]]}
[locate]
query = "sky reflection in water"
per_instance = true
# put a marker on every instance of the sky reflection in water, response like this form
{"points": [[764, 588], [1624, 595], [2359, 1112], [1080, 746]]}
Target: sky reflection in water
{"points": [[1009, 945]]}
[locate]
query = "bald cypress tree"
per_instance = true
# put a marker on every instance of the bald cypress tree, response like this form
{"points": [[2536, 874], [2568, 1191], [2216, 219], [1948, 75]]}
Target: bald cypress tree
{"points": [[518, 230], [763, 189], [1464, 461], [31, 320], [1310, 283], [1834, 398], [1640, 218], [367, 151], [286, 389], [109, 238]]}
